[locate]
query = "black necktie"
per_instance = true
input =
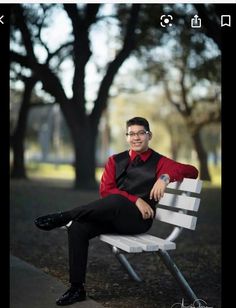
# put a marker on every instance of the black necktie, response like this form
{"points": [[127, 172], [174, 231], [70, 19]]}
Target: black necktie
{"points": [[137, 161]]}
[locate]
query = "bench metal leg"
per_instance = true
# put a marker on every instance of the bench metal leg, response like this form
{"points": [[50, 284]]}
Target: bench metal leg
{"points": [[125, 263], [178, 276]]}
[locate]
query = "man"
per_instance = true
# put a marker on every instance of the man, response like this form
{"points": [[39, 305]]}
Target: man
{"points": [[132, 183]]}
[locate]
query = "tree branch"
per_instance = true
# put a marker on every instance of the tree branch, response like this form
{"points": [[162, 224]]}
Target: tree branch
{"points": [[128, 46], [42, 72], [207, 118], [185, 104], [33, 105], [26, 36], [81, 47], [58, 50], [176, 104]]}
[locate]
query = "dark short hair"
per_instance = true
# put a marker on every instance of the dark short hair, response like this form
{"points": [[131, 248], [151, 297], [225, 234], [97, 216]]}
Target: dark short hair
{"points": [[138, 121]]}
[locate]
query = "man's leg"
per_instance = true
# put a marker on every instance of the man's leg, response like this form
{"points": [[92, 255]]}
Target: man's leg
{"points": [[101, 210], [130, 221], [79, 235], [114, 213], [112, 209]]}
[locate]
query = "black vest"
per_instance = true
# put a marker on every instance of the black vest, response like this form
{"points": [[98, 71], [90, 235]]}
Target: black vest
{"points": [[136, 180]]}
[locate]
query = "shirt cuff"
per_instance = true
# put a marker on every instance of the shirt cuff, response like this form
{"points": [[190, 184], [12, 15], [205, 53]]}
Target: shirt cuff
{"points": [[133, 198]]}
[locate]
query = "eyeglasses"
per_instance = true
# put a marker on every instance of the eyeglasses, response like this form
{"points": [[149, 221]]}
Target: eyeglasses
{"points": [[141, 133]]}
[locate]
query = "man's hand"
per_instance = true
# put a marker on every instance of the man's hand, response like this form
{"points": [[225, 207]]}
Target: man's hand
{"points": [[145, 209], [158, 189]]}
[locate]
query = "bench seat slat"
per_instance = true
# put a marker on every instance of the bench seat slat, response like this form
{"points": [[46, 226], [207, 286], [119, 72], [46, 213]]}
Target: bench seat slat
{"points": [[124, 244], [180, 201], [135, 243], [191, 185], [144, 243], [163, 244], [175, 218]]}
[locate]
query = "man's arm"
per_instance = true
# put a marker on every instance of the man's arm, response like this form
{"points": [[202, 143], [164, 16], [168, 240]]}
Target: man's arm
{"points": [[168, 171], [176, 171]]}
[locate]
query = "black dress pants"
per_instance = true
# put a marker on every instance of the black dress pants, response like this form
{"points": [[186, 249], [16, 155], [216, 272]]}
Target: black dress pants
{"points": [[112, 214]]}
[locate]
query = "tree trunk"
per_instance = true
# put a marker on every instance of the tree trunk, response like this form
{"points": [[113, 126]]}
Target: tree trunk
{"points": [[84, 142], [18, 167], [17, 140], [83, 135], [202, 157], [85, 162]]}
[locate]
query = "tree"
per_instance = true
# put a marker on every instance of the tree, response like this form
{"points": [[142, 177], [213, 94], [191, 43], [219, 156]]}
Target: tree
{"points": [[83, 127], [195, 91], [18, 136], [188, 66]]}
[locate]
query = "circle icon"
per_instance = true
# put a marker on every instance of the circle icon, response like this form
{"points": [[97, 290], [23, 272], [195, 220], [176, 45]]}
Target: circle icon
{"points": [[165, 20]]}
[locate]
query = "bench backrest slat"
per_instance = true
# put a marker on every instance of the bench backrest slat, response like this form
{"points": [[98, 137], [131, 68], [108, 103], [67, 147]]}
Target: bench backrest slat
{"points": [[191, 185], [176, 218], [180, 202]]}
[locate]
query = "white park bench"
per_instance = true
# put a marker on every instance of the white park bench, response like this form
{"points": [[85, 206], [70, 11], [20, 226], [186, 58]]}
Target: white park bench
{"points": [[175, 204], [172, 209]]}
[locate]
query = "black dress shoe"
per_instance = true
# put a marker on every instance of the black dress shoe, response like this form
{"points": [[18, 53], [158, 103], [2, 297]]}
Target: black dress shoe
{"points": [[52, 221], [71, 296]]}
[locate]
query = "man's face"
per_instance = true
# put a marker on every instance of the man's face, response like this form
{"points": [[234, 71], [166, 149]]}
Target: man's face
{"points": [[138, 138]]}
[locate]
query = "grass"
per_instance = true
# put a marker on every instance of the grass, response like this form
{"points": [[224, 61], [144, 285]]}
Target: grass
{"points": [[47, 170], [55, 171], [215, 172]]}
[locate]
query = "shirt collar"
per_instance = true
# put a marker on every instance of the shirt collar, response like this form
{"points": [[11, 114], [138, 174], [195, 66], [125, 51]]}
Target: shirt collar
{"points": [[144, 156]]}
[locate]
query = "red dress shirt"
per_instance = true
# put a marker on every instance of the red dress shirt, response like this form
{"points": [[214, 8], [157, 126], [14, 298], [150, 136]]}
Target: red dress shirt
{"points": [[176, 171]]}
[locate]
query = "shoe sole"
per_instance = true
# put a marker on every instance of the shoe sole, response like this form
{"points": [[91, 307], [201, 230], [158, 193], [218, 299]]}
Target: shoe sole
{"points": [[76, 301]]}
